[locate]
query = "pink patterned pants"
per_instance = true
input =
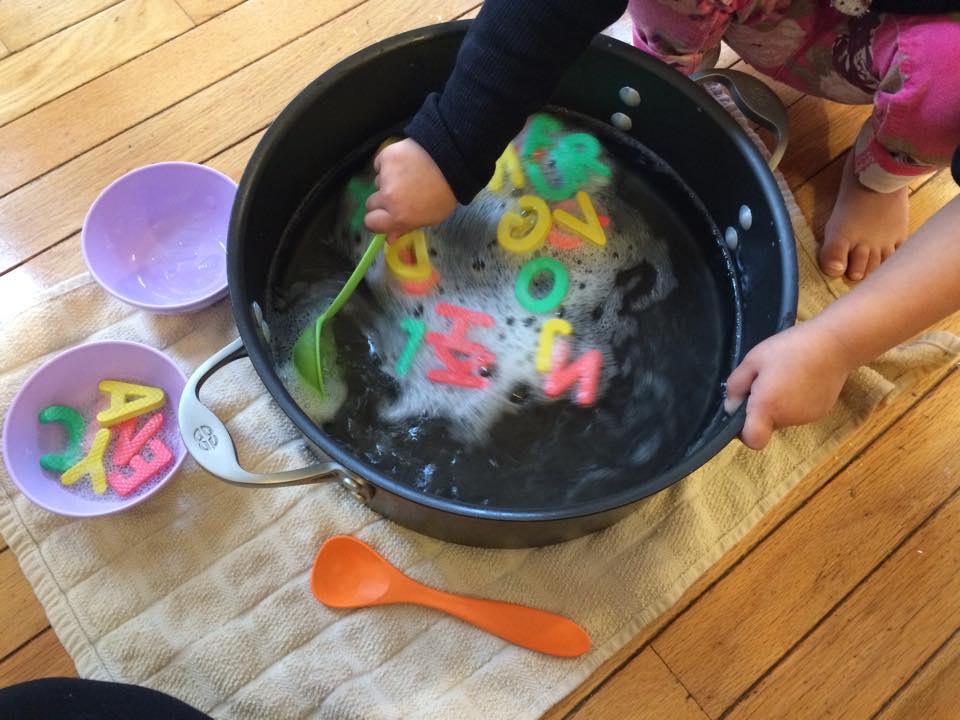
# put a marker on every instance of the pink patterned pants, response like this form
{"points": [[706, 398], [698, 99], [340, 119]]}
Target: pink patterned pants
{"points": [[907, 66]]}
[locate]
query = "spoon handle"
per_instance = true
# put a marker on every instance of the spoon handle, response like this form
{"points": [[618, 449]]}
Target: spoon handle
{"points": [[369, 255], [527, 627]]}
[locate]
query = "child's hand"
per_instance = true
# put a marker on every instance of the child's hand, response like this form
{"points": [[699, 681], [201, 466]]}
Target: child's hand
{"points": [[792, 378], [411, 191]]}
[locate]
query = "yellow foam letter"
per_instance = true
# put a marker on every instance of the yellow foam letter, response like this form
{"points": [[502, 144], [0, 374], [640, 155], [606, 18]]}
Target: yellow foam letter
{"points": [[551, 328], [511, 222], [589, 228], [128, 401], [508, 164], [417, 271], [91, 465]]}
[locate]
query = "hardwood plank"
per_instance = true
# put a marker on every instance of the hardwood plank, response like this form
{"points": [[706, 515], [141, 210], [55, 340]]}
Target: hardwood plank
{"points": [[42, 657], [76, 122], [21, 286], [202, 10], [646, 690], [80, 53], [51, 208], [24, 22], [3, 50], [22, 615], [934, 692], [883, 632], [820, 131], [751, 618]]}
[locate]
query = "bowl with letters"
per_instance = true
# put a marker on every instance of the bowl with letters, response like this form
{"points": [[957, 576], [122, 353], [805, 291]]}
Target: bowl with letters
{"points": [[93, 431]]}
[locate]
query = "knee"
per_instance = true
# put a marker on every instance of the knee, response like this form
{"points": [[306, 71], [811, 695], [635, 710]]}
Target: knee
{"points": [[918, 103]]}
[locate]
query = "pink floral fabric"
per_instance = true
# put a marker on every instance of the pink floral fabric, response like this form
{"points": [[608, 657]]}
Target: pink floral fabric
{"points": [[907, 66]]}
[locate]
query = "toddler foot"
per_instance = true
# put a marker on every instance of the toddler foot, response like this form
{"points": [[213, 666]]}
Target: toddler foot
{"points": [[864, 229]]}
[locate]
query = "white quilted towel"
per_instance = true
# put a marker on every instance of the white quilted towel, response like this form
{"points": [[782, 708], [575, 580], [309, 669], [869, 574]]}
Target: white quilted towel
{"points": [[202, 591]]}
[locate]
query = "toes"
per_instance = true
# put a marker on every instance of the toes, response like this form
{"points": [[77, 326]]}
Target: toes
{"points": [[887, 252], [833, 257], [857, 263], [873, 263]]}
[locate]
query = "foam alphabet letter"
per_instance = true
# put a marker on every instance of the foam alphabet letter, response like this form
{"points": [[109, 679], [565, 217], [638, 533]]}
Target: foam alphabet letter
{"points": [[91, 465], [462, 358], [529, 272], [128, 401], [585, 369], [142, 469], [578, 156], [128, 443], [416, 330], [590, 228], [508, 164], [417, 271], [539, 133], [511, 222], [551, 328], [76, 426]]}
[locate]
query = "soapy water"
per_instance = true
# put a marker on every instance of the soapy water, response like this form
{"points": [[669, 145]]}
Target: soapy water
{"points": [[55, 441], [657, 301]]}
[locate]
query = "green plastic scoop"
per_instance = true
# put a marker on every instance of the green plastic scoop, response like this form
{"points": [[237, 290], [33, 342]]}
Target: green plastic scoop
{"points": [[315, 351]]}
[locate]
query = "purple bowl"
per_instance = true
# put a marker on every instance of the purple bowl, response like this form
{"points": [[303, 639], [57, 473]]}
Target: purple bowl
{"points": [[156, 238], [71, 378]]}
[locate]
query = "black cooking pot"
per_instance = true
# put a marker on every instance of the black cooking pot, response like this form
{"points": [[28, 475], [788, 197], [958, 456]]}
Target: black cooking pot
{"points": [[373, 92]]}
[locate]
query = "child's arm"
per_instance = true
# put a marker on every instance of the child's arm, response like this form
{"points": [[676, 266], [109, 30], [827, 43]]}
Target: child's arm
{"points": [[510, 63], [795, 377]]}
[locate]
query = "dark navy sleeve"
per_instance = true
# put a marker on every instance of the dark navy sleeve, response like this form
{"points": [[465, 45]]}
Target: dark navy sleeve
{"points": [[915, 7], [510, 63]]}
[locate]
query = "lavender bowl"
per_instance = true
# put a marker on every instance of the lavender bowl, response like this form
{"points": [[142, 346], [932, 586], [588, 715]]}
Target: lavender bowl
{"points": [[71, 378], [156, 238]]}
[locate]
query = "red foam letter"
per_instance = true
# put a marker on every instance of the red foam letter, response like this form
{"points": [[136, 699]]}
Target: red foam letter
{"points": [[129, 444], [585, 369], [462, 358]]}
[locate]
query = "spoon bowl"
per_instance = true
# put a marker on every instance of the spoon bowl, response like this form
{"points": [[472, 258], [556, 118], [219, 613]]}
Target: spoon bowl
{"points": [[348, 573], [314, 354]]}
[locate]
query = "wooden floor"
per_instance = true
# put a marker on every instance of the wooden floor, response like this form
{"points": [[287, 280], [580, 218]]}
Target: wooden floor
{"points": [[844, 602]]}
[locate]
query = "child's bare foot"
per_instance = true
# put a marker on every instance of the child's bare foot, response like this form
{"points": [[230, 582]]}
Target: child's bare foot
{"points": [[864, 228]]}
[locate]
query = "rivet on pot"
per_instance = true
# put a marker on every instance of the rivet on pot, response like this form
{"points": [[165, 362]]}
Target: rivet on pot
{"points": [[746, 217], [621, 121], [731, 238], [629, 96], [358, 488]]}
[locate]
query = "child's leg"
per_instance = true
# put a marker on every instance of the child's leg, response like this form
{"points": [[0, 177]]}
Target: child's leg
{"points": [[914, 129], [682, 33]]}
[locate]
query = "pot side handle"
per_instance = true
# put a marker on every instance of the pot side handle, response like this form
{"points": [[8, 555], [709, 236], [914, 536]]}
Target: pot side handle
{"points": [[755, 100], [208, 440]]}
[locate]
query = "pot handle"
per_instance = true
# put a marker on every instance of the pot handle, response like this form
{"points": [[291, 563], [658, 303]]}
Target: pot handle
{"points": [[209, 442], [755, 100]]}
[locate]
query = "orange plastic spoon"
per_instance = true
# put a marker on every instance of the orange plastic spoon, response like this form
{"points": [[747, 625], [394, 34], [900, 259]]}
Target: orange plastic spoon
{"points": [[348, 573]]}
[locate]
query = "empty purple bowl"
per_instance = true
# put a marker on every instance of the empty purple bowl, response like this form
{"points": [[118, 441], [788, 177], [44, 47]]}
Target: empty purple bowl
{"points": [[156, 238], [72, 379]]}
